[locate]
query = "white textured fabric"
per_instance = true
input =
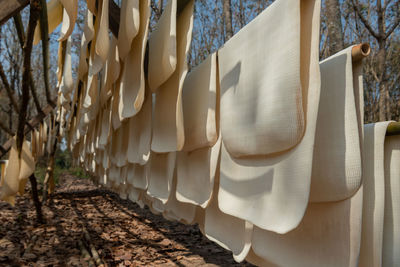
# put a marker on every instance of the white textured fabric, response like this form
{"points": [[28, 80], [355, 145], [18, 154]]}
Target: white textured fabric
{"points": [[87, 36], [132, 86], [336, 173], [176, 210], [69, 18], [115, 119], [67, 82], [257, 260], [140, 133], [102, 45], [105, 125], [163, 47], [10, 181], [196, 164], [162, 167], [128, 25], [262, 98], [328, 235], [137, 175], [270, 191], [229, 232], [331, 229], [374, 197], [54, 18], [111, 72], [391, 223], [196, 172], [123, 139], [168, 132], [199, 100], [17, 171]]}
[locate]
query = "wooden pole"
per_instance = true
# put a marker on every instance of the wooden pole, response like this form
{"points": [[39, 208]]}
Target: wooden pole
{"points": [[21, 36], [44, 31], [35, 197], [360, 51], [393, 129], [26, 69]]}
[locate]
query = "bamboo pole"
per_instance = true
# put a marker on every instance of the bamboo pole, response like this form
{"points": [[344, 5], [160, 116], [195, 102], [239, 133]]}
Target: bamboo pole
{"points": [[360, 51], [393, 129]]}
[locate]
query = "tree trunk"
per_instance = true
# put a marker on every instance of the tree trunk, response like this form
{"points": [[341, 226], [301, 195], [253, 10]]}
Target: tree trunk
{"points": [[227, 19], [334, 24], [35, 197], [49, 177]]}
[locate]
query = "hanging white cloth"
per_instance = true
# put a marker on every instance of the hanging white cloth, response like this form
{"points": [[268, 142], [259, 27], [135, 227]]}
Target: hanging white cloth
{"points": [[132, 86], [163, 47], [168, 132], [269, 104]]}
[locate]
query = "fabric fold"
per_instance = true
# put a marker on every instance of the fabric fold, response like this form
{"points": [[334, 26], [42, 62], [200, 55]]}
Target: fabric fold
{"points": [[70, 15], [168, 132], [391, 221], [163, 47], [374, 197], [132, 86], [128, 25], [337, 168], [270, 190]]}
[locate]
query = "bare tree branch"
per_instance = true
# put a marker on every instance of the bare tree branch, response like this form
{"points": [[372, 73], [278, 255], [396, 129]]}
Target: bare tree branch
{"points": [[363, 20], [5, 128], [8, 89], [393, 27], [45, 49]]}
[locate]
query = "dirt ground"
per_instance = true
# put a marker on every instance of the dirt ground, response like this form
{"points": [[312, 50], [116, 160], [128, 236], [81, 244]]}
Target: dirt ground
{"points": [[119, 231]]}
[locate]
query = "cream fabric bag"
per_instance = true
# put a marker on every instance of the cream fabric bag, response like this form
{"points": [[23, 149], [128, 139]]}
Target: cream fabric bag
{"points": [[196, 171], [135, 195], [54, 18], [111, 72], [140, 133], [374, 197], [197, 162], [128, 25], [123, 140], [328, 235], [133, 83], [70, 15], [105, 125], [161, 175], [263, 115], [17, 171], [168, 132], [176, 210], [137, 176], [229, 232], [102, 45], [88, 34], [115, 119], [336, 173], [331, 228], [200, 95], [67, 82], [163, 48], [391, 222]]}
